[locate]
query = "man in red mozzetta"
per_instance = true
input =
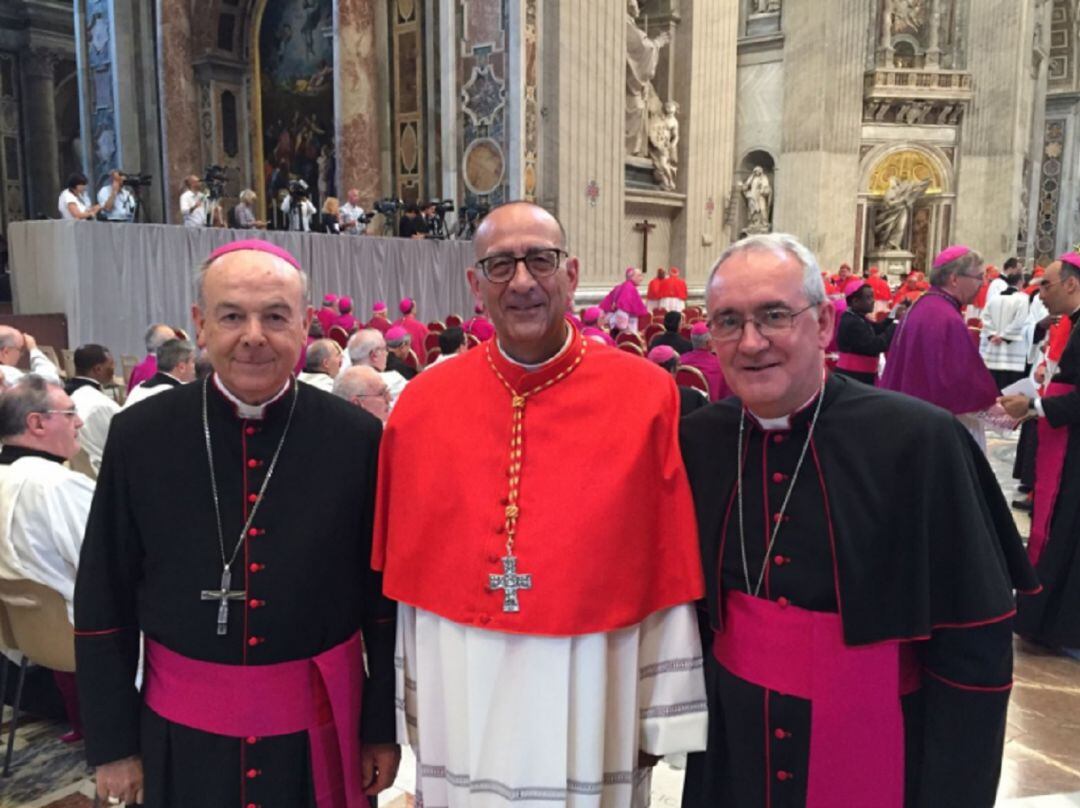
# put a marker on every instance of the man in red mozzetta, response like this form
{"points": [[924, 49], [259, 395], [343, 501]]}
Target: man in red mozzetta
{"points": [[859, 597], [547, 630], [199, 536]]}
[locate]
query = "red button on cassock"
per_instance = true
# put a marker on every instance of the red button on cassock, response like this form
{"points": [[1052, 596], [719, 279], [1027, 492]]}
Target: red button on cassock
{"points": [[253, 463], [253, 498], [779, 560], [779, 734], [253, 641], [255, 603], [777, 438], [253, 773], [783, 602], [253, 531], [782, 776], [253, 805], [256, 567], [251, 739], [250, 430], [778, 477]]}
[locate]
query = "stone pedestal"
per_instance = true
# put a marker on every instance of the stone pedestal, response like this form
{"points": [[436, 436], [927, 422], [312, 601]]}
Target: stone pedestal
{"points": [[893, 263], [763, 24]]}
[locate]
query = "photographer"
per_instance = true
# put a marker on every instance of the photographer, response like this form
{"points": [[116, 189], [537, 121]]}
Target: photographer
{"points": [[352, 218], [73, 202], [243, 214], [329, 219], [116, 199], [193, 203], [297, 207]]}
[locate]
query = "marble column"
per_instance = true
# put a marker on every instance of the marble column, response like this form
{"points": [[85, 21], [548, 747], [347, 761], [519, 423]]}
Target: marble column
{"points": [[357, 105], [704, 82], [885, 47], [39, 108], [933, 50], [822, 124]]}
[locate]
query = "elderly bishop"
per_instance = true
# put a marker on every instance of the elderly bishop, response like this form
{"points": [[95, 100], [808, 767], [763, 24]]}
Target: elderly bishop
{"points": [[255, 625], [547, 634]]}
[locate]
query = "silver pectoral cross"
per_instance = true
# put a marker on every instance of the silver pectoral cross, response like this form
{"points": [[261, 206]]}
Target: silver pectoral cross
{"points": [[510, 582], [223, 596]]}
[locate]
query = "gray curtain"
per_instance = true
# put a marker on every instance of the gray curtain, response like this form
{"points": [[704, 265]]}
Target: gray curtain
{"points": [[113, 280]]}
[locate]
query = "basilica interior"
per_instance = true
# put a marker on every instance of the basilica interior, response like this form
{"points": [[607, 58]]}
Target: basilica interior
{"points": [[878, 132]]}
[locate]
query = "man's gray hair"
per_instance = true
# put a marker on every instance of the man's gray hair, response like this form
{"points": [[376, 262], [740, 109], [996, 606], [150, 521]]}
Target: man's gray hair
{"points": [[172, 352], [700, 341], [157, 335], [362, 343], [28, 395], [356, 380], [813, 286], [397, 343], [281, 263], [9, 337], [939, 276], [318, 352]]}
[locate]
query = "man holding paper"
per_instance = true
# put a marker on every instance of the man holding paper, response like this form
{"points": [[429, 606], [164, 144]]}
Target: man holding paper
{"points": [[1052, 616]]}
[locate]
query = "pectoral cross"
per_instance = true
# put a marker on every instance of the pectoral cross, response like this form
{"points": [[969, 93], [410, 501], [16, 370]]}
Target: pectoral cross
{"points": [[644, 227], [223, 596], [510, 582]]}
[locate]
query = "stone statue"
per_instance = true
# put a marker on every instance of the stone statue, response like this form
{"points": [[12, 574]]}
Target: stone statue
{"points": [[766, 6], [758, 192], [908, 16], [890, 224], [642, 59], [664, 145]]}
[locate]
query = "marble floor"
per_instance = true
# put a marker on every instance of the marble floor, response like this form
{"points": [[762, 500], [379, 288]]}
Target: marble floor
{"points": [[1041, 767]]}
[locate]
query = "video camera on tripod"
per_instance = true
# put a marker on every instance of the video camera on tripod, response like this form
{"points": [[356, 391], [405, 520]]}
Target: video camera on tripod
{"points": [[214, 178], [136, 181], [437, 223], [388, 207]]}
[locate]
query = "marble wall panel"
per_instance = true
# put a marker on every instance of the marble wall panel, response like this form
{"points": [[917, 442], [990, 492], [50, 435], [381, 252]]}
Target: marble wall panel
{"points": [[760, 106], [181, 143], [357, 103]]}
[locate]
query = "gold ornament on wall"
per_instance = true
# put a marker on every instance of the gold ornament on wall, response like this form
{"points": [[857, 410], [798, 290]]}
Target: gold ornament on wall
{"points": [[905, 165]]}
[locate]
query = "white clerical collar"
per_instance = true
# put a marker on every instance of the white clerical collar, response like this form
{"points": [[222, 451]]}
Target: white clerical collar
{"points": [[93, 382], [538, 366], [254, 412], [782, 423]]}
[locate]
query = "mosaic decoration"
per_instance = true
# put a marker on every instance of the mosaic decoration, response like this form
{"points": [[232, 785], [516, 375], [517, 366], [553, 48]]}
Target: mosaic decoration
{"points": [[296, 64], [482, 114], [99, 61], [908, 164], [1049, 191], [483, 96], [532, 105]]}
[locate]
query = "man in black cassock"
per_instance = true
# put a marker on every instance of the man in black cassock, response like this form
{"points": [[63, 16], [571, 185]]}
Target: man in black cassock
{"points": [[858, 580], [203, 536], [859, 341], [1052, 617]]}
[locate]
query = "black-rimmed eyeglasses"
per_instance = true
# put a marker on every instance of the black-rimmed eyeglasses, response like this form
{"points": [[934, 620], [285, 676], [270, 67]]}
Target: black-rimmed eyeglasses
{"points": [[500, 268]]}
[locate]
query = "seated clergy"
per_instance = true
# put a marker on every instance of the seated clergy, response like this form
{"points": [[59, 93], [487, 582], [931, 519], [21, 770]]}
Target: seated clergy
{"points": [[398, 345], [156, 336], [451, 344], [368, 347], [175, 366], [364, 387], [43, 504], [12, 344], [322, 364], [94, 368]]}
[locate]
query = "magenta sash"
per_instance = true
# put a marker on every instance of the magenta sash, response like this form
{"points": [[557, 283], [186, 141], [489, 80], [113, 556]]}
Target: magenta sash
{"points": [[857, 363], [320, 696], [857, 728], [1049, 463]]}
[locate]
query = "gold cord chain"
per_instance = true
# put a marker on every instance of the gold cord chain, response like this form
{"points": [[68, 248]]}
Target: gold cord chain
{"points": [[517, 401]]}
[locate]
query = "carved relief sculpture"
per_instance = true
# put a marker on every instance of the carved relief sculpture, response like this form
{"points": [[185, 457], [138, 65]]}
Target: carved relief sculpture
{"points": [[664, 145], [758, 192], [890, 224], [642, 59], [907, 16]]}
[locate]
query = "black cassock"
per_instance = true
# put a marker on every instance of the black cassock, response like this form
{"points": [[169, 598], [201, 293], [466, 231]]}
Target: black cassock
{"points": [[857, 335], [1053, 615], [925, 551], [151, 547]]}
